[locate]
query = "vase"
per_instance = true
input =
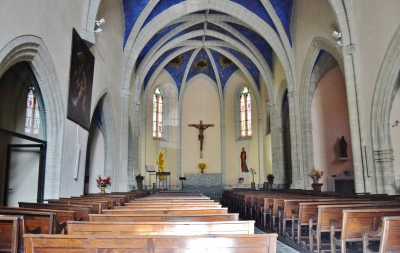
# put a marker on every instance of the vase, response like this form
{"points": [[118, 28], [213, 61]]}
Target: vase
{"points": [[103, 189], [139, 183], [316, 187], [201, 170]]}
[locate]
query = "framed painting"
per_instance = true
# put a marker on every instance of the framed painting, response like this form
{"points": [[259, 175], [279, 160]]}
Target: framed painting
{"points": [[80, 82]]}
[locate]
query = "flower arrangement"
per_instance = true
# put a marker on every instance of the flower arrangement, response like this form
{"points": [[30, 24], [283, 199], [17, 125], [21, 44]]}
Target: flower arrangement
{"points": [[270, 177], [316, 174], [202, 166], [139, 177], [103, 181]]}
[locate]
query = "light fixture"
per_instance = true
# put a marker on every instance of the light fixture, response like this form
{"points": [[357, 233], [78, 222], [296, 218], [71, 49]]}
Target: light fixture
{"points": [[396, 123], [336, 35], [98, 31], [338, 44], [100, 22]]}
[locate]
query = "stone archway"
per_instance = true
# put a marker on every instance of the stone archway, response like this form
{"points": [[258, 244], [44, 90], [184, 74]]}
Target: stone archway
{"points": [[33, 50], [386, 86]]}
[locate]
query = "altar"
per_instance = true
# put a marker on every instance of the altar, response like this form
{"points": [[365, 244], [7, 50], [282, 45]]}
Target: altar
{"points": [[209, 184], [203, 179]]}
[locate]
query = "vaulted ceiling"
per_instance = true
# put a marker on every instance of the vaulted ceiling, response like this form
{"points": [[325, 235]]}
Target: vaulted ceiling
{"points": [[209, 42]]}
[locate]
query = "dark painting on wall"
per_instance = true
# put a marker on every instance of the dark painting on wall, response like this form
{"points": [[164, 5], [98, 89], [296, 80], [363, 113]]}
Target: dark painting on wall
{"points": [[80, 82]]}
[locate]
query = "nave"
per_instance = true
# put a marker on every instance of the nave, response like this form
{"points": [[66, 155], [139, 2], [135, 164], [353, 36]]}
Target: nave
{"points": [[187, 221]]}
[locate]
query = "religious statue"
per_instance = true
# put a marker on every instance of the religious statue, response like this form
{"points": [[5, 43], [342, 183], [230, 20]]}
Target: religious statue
{"points": [[243, 161], [343, 147], [201, 128]]}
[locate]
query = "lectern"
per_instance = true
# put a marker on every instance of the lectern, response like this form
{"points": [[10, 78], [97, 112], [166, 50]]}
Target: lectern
{"points": [[164, 176], [150, 169], [182, 180]]}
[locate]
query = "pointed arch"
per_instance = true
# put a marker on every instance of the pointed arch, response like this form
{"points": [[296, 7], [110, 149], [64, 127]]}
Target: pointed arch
{"points": [[33, 50], [323, 51], [385, 87]]}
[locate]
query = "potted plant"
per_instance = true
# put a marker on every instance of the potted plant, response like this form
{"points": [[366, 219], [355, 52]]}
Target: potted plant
{"points": [[139, 180], [270, 178]]}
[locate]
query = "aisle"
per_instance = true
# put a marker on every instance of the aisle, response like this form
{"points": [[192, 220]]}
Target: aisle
{"points": [[280, 247]]}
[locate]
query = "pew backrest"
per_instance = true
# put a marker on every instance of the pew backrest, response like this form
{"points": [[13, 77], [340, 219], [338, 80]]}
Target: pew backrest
{"points": [[160, 228], [163, 217], [222, 210], [255, 243]]}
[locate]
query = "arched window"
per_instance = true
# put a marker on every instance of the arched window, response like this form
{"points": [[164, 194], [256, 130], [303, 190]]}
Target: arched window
{"points": [[32, 117], [245, 112], [157, 114]]}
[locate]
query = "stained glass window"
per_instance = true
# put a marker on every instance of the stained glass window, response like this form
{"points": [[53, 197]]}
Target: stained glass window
{"points": [[157, 114], [32, 117], [245, 112]]}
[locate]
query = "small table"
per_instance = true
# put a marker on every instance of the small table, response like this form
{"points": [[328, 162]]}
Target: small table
{"points": [[341, 184], [182, 180], [167, 179]]}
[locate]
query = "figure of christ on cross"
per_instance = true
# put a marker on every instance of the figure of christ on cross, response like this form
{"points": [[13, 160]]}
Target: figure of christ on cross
{"points": [[201, 128]]}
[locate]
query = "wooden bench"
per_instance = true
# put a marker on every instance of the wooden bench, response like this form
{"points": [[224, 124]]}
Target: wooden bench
{"points": [[388, 234], [326, 213], [112, 202], [169, 211], [256, 243], [163, 217], [10, 232], [172, 206], [306, 209], [36, 221], [81, 212], [97, 205], [352, 224], [159, 228], [168, 203]]}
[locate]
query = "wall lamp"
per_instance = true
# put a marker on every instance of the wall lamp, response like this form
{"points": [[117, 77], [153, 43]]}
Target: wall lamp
{"points": [[396, 123], [337, 35], [99, 23]]}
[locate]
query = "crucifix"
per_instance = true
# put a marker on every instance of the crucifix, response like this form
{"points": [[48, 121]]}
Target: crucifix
{"points": [[201, 128]]}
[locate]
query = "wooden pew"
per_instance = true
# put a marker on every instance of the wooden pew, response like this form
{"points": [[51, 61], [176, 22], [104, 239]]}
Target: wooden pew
{"points": [[172, 206], [163, 217], [168, 203], [353, 222], [388, 234], [97, 206], [10, 232], [169, 211], [32, 222], [112, 202], [81, 212], [40, 221], [334, 212], [160, 228], [306, 209], [120, 200], [256, 243]]}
